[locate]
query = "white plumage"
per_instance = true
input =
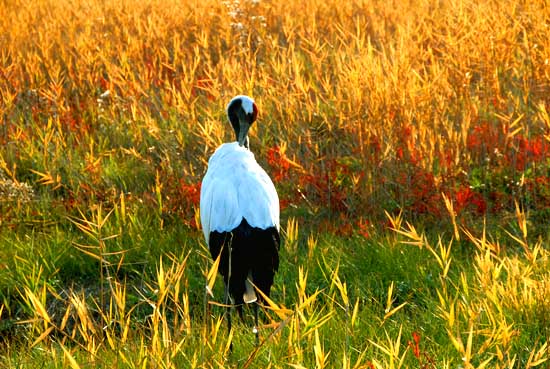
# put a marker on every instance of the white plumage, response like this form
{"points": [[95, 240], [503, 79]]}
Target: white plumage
{"points": [[236, 187]]}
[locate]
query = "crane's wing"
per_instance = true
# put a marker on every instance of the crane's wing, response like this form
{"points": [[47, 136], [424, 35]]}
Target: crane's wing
{"points": [[258, 200], [219, 206], [236, 187]]}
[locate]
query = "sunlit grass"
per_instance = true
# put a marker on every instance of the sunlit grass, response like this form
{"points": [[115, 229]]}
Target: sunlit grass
{"points": [[407, 302], [408, 141]]}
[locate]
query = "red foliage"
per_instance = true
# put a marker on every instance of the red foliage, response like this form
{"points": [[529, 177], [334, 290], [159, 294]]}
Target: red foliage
{"points": [[539, 190], [363, 227], [399, 153], [327, 186], [181, 198], [407, 148], [375, 147], [542, 180], [498, 200], [465, 197], [488, 140], [425, 360], [278, 162], [420, 192], [529, 150], [483, 135], [284, 203], [190, 193], [446, 159], [415, 345], [72, 120]]}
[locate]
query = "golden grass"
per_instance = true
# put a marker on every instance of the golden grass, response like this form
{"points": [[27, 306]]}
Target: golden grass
{"points": [[386, 89], [358, 68]]}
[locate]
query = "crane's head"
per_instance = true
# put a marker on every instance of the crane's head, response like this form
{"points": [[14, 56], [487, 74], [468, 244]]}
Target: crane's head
{"points": [[242, 112]]}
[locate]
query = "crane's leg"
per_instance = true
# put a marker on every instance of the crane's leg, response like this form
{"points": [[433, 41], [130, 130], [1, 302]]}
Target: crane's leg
{"points": [[227, 299], [255, 330], [228, 308]]}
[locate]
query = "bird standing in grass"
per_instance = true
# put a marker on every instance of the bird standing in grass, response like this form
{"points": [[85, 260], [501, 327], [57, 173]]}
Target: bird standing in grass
{"points": [[239, 210]]}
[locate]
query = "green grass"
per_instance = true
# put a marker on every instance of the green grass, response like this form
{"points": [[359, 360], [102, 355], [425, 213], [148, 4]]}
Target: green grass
{"points": [[369, 299]]}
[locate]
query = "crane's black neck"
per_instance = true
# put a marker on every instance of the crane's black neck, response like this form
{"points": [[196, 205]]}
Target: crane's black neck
{"points": [[240, 121]]}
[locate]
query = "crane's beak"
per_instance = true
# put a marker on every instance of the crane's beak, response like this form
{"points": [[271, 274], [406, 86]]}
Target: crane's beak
{"points": [[244, 126], [243, 135]]}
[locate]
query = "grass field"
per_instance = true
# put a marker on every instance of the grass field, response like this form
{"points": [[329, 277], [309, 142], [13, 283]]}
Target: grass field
{"points": [[409, 143]]}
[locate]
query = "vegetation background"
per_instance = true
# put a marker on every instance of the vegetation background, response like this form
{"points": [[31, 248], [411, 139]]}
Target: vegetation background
{"points": [[409, 142]]}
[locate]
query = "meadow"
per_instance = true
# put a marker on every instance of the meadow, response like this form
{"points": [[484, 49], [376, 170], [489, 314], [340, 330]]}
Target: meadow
{"points": [[409, 142]]}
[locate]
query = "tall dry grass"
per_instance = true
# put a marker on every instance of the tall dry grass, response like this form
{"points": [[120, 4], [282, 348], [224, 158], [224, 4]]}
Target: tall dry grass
{"points": [[376, 103]]}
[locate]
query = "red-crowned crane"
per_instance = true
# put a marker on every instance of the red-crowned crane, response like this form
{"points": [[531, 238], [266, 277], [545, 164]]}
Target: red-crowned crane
{"points": [[239, 210]]}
